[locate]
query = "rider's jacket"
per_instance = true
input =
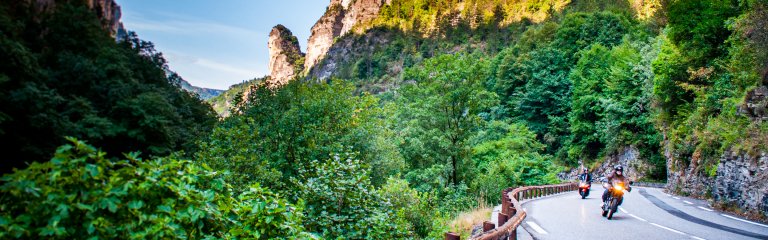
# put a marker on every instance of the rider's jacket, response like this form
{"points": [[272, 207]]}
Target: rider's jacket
{"points": [[586, 177], [612, 178]]}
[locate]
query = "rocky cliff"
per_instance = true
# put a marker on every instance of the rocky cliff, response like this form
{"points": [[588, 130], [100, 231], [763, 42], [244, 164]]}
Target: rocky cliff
{"points": [[107, 10], [740, 180], [340, 18], [635, 167], [285, 56]]}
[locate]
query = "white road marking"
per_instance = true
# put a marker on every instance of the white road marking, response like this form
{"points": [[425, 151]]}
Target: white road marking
{"points": [[672, 230], [622, 209], [669, 195], [688, 202], [697, 238], [536, 227], [676, 198], [739, 219], [706, 209], [638, 218]]}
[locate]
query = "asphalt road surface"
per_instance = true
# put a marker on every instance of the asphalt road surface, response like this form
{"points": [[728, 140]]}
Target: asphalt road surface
{"points": [[647, 213]]}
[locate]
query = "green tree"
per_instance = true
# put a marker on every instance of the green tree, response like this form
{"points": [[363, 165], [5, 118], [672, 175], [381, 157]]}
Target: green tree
{"points": [[438, 111], [508, 155], [81, 194], [274, 132], [343, 203], [589, 81], [63, 75]]}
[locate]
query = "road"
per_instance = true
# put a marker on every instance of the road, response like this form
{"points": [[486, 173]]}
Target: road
{"points": [[647, 213]]}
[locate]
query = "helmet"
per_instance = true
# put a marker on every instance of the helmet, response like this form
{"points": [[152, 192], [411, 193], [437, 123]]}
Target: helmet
{"points": [[618, 168], [584, 169]]}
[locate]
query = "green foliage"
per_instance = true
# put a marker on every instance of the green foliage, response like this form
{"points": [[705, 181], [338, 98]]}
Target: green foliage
{"points": [[223, 103], [507, 155], [81, 194], [63, 75], [611, 103], [343, 203], [709, 63], [588, 77], [275, 132], [698, 28], [418, 208], [580, 30], [583, 86], [439, 112], [543, 100]]}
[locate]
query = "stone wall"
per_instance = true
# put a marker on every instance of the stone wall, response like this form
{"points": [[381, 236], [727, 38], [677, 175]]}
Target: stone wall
{"points": [[629, 157], [740, 182]]}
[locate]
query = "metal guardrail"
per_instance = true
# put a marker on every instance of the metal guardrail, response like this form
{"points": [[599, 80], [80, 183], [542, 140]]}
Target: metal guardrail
{"points": [[509, 217], [649, 184]]}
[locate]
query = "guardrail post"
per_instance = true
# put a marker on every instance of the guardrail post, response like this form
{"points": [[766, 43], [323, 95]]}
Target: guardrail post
{"points": [[452, 236], [513, 234], [503, 219], [488, 226]]}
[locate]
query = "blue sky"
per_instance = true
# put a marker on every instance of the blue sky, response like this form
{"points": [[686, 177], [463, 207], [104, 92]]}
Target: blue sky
{"points": [[215, 44]]}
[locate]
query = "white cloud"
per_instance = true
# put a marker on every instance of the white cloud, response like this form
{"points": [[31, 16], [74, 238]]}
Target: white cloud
{"points": [[224, 67], [205, 53], [184, 25]]}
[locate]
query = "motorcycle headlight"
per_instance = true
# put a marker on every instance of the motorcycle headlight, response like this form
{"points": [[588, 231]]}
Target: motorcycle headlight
{"points": [[619, 188]]}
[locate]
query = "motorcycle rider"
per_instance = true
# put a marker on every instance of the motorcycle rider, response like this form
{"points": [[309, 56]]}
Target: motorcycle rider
{"points": [[585, 176], [616, 176]]}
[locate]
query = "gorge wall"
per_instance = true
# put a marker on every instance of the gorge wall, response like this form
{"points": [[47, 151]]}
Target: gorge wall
{"points": [[635, 167], [107, 10], [740, 182], [285, 56], [340, 18]]}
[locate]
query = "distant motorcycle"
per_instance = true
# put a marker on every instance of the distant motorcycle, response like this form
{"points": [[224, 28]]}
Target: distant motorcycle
{"points": [[584, 188], [615, 198]]}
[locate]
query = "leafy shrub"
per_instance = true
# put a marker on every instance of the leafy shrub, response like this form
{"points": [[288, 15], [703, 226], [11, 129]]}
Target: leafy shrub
{"points": [[343, 203], [81, 194], [275, 131]]}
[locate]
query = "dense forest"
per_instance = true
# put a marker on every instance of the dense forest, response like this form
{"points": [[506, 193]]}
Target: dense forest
{"points": [[461, 103]]}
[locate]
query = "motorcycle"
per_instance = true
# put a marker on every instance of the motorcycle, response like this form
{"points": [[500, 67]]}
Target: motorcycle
{"points": [[615, 198], [584, 187]]}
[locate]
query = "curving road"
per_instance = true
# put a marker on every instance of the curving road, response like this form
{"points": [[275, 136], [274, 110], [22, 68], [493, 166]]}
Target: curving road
{"points": [[647, 213]]}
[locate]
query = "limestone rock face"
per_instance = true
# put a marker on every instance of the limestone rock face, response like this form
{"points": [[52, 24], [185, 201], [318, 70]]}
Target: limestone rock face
{"points": [[107, 10], [323, 33], [629, 157], [756, 104], [742, 181], [285, 56], [360, 11], [340, 18]]}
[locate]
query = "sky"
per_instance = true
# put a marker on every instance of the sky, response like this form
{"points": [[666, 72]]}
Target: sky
{"points": [[215, 44]]}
